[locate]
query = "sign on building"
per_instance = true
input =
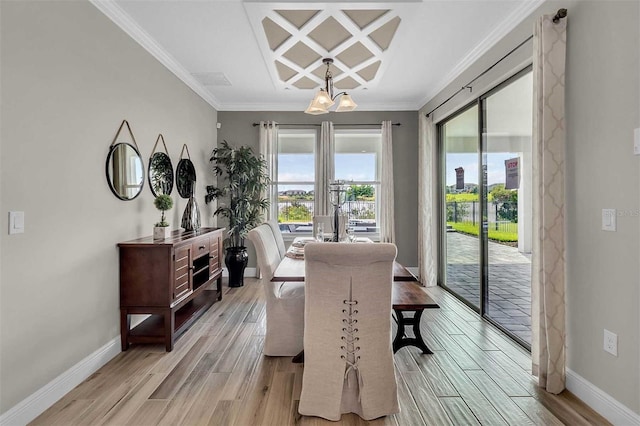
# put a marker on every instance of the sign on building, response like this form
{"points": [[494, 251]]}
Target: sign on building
{"points": [[512, 173]]}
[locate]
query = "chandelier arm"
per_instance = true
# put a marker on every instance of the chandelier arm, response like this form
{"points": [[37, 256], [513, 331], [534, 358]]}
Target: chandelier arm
{"points": [[333, 98]]}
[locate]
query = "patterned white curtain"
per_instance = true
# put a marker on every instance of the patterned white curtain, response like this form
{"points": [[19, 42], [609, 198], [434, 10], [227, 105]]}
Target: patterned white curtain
{"points": [[269, 151], [387, 222], [548, 257], [427, 218], [325, 148]]}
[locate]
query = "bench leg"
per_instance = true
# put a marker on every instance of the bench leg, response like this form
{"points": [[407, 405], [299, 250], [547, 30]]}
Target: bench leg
{"points": [[401, 340]]}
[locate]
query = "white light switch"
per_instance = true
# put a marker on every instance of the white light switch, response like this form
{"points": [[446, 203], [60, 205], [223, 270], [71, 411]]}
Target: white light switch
{"points": [[16, 222], [636, 141], [608, 219]]}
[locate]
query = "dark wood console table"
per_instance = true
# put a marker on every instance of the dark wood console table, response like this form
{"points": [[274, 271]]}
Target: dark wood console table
{"points": [[171, 280]]}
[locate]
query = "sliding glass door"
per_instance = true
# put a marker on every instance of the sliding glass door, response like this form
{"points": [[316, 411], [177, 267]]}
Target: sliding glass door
{"points": [[460, 142], [486, 205], [507, 121]]}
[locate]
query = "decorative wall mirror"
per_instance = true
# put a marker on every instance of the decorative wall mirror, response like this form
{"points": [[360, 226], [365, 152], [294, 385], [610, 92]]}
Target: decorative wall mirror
{"points": [[185, 174], [160, 170], [124, 169]]}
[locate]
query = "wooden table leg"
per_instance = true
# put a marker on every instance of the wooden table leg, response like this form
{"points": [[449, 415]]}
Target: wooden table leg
{"points": [[401, 340]]}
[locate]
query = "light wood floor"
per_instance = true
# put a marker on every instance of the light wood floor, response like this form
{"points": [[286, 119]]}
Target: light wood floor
{"points": [[217, 375]]}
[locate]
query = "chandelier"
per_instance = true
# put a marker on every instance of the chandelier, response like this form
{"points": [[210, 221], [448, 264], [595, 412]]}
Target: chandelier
{"points": [[325, 98]]}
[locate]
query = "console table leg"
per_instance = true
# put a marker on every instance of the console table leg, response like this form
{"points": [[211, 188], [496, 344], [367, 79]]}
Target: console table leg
{"points": [[125, 324], [169, 323], [219, 285]]}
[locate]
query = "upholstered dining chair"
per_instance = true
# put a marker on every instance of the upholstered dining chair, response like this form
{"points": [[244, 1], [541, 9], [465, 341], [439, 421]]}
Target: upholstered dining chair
{"points": [[284, 300], [348, 359], [328, 222], [277, 234]]}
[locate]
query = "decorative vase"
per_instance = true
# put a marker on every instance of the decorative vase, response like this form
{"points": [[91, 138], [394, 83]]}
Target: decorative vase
{"points": [[191, 215], [161, 232], [236, 261]]}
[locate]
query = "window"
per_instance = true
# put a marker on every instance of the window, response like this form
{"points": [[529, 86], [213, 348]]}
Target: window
{"points": [[356, 161], [295, 179]]}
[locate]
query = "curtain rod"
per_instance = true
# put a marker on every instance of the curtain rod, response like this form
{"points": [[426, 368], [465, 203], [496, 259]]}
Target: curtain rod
{"points": [[562, 13], [343, 124]]}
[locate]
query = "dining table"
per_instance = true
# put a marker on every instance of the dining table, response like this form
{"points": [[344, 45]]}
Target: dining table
{"points": [[408, 296]]}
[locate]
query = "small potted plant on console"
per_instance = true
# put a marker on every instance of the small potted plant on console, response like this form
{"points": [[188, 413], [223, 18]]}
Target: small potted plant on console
{"points": [[161, 229]]}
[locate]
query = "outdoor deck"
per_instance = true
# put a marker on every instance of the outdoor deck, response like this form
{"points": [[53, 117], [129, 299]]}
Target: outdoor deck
{"points": [[509, 281]]}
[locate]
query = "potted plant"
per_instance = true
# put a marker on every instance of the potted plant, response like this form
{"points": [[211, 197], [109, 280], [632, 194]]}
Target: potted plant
{"points": [[242, 183], [161, 229]]}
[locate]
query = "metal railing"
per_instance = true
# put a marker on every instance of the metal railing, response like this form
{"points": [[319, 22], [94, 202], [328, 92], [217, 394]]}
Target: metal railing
{"points": [[501, 216], [302, 210]]}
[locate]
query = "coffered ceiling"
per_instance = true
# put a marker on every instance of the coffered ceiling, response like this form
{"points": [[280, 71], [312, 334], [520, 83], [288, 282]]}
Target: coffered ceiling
{"points": [[294, 42], [258, 55]]}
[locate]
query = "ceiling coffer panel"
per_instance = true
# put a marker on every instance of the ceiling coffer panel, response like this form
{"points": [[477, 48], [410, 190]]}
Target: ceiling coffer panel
{"points": [[284, 72], [322, 69], [301, 55], [368, 73], [362, 18], [356, 39], [354, 55], [383, 35], [297, 18], [330, 34], [306, 83], [346, 83], [276, 35]]}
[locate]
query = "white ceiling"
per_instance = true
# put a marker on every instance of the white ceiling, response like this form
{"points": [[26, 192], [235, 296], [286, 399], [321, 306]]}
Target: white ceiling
{"points": [[220, 50]]}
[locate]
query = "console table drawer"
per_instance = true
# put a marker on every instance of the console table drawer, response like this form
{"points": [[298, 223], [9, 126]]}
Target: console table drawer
{"points": [[200, 247]]}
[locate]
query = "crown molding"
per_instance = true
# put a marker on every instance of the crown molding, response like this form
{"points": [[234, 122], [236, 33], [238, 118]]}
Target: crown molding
{"points": [[131, 27], [508, 24], [300, 106]]}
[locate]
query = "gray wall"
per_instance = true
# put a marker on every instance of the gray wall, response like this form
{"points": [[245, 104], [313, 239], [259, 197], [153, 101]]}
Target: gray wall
{"points": [[69, 77], [602, 109], [237, 129]]}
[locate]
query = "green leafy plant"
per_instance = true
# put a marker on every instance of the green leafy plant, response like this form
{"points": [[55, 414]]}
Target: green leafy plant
{"points": [[242, 182], [163, 203]]}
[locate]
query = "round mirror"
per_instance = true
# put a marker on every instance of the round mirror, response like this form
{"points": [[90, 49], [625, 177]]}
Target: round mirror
{"points": [[185, 176], [125, 172], [160, 174]]}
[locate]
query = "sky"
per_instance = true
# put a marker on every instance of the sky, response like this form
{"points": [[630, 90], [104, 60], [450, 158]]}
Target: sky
{"points": [[300, 167], [358, 167]]}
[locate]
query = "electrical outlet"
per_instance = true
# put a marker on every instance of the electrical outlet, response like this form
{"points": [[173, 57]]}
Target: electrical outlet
{"points": [[610, 342]]}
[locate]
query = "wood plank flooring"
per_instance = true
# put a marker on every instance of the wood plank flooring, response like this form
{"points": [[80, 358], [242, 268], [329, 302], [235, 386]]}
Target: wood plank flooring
{"points": [[217, 375]]}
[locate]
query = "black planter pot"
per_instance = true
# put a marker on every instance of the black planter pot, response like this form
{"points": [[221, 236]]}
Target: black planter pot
{"points": [[236, 261]]}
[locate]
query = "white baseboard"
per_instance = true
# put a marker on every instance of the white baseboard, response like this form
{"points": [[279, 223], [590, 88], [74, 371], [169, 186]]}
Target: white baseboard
{"points": [[34, 405], [599, 400]]}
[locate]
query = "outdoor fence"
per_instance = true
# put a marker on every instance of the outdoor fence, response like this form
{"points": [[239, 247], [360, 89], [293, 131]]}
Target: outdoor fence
{"points": [[302, 210], [501, 216]]}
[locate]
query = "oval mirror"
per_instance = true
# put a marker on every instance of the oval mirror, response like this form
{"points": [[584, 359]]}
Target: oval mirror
{"points": [[125, 172], [160, 174], [185, 176]]}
